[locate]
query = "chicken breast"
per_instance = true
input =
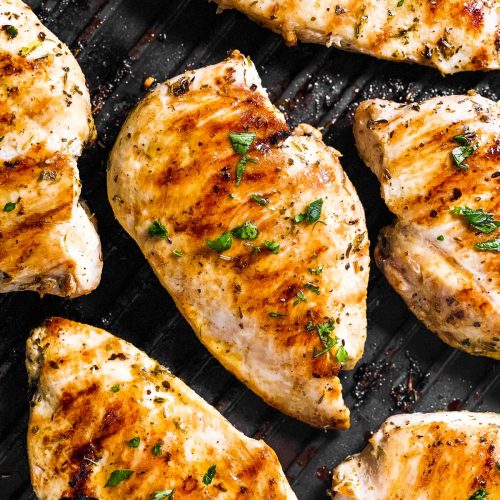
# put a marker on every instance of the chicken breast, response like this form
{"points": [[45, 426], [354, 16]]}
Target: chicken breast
{"points": [[426, 456], [451, 36], [267, 250], [48, 242], [109, 422], [437, 163]]}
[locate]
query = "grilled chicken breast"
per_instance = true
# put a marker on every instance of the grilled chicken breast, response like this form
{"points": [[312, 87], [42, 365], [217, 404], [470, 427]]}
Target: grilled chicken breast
{"points": [[451, 36], [109, 422], [435, 161], [282, 305], [433, 456], [47, 241]]}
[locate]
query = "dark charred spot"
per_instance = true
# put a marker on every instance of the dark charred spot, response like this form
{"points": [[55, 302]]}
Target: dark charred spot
{"points": [[474, 10], [457, 194], [68, 398], [180, 87], [189, 484], [120, 355]]}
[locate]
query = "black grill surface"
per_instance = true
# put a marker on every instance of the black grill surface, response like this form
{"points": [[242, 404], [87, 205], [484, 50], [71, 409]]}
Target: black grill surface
{"points": [[119, 43]]}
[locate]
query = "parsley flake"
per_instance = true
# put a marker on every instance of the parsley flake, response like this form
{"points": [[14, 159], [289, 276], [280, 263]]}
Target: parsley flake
{"points": [[440, 238], [316, 271], [342, 355], [488, 246], [313, 288], [324, 330], [164, 494], [157, 450], [479, 220], [400, 3], [9, 207], [312, 213], [241, 166], [208, 477], [11, 31], [178, 253], [117, 476], [134, 442], [276, 315], [158, 230], [241, 142], [247, 231], [272, 246], [480, 494], [115, 388], [222, 243], [462, 152], [259, 199]]}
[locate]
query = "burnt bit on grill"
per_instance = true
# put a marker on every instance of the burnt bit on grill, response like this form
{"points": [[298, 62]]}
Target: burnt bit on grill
{"points": [[406, 395]]}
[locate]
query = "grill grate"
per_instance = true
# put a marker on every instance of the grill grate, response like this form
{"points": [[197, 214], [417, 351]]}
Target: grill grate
{"points": [[118, 45]]}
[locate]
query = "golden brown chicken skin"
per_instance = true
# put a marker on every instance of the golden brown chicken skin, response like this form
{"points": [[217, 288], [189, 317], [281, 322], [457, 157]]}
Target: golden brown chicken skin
{"points": [[451, 35], [48, 243], [426, 456], [438, 165], [283, 306], [108, 422]]}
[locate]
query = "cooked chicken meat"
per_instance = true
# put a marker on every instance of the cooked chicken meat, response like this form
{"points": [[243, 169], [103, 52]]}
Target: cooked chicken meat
{"points": [[47, 240], [438, 165], [257, 234], [451, 36], [426, 456], [109, 422]]}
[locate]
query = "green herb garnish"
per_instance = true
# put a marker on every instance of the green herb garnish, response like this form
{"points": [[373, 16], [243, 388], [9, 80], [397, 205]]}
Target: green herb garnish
{"points": [[9, 207], [312, 212], [462, 152], [134, 442], [241, 142], [26, 51], [488, 246], [480, 494], [479, 220], [115, 388], [222, 243], [276, 315], [272, 246], [440, 237], [247, 231], [259, 199], [324, 330], [158, 230], [11, 31], [342, 355], [310, 326], [178, 253], [208, 477], [241, 166], [157, 451], [400, 3], [117, 476], [316, 271], [164, 494], [313, 288], [301, 298]]}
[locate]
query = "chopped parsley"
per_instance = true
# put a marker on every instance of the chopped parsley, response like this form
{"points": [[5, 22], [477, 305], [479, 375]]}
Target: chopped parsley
{"points": [[479, 220], [440, 237], [9, 206], [26, 51], [222, 243], [115, 388], [117, 476], [300, 298], [241, 142], [259, 199], [157, 451], [488, 246], [178, 253], [134, 442], [342, 355], [164, 494], [310, 326], [324, 330], [316, 271], [272, 246], [158, 230], [241, 166], [11, 31], [400, 3], [312, 212], [276, 315], [208, 477], [247, 231], [313, 288], [462, 152], [480, 494]]}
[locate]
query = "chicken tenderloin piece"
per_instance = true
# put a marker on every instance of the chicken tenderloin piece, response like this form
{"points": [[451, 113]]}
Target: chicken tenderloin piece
{"points": [[426, 456], [257, 234], [109, 422], [48, 242], [451, 36], [438, 165]]}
